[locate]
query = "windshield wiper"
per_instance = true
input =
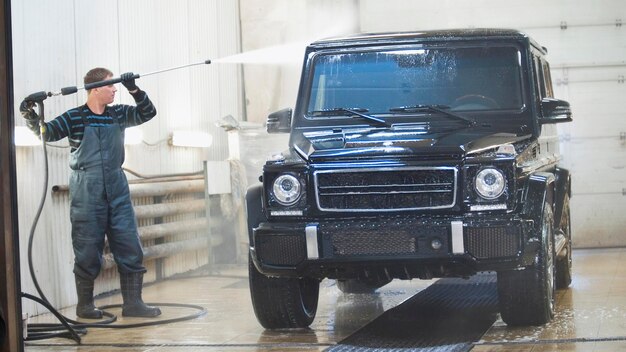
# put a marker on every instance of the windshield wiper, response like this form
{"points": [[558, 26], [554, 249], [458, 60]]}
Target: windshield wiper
{"points": [[443, 109], [352, 111]]}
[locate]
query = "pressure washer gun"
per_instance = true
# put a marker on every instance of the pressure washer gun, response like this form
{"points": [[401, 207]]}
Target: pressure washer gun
{"points": [[38, 99], [88, 86]]}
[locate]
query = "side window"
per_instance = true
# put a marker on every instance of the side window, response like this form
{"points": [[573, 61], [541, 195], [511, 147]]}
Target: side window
{"points": [[544, 79], [538, 75], [541, 82], [547, 79]]}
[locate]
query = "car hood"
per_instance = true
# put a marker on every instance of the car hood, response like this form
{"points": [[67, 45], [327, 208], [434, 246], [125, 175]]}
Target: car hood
{"points": [[369, 143]]}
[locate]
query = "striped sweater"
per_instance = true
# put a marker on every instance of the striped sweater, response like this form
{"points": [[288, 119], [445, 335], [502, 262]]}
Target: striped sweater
{"points": [[70, 123]]}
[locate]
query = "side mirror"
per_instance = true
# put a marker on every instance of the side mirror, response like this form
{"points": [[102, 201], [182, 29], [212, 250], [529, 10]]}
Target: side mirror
{"points": [[555, 111], [279, 121]]}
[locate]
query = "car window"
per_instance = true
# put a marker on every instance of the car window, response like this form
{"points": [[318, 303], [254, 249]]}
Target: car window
{"points": [[463, 78], [547, 79]]}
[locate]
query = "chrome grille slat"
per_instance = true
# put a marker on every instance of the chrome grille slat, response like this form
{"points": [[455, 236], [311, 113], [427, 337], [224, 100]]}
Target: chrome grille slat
{"points": [[383, 185], [394, 192], [408, 188]]}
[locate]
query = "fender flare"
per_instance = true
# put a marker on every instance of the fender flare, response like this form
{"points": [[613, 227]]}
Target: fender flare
{"points": [[540, 190], [563, 187], [254, 208]]}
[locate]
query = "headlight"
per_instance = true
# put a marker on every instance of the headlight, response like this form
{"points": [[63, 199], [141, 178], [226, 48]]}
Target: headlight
{"points": [[286, 189], [490, 183]]}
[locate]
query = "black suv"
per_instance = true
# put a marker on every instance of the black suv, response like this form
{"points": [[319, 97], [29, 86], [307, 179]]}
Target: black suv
{"points": [[414, 155]]}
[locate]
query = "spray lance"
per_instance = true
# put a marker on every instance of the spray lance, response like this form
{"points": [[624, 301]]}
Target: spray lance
{"points": [[73, 327], [41, 96]]}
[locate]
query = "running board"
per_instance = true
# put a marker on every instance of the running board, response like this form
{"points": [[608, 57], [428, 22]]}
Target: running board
{"points": [[560, 245]]}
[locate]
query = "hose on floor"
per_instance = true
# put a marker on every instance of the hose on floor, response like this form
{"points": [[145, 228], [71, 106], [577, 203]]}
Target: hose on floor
{"points": [[69, 328]]}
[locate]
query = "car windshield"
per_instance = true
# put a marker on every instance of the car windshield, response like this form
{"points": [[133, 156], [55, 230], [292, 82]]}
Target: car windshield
{"points": [[461, 78]]}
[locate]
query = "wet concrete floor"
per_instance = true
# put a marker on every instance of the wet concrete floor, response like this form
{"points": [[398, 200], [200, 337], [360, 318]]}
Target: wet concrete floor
{"points": [[590, 316]]}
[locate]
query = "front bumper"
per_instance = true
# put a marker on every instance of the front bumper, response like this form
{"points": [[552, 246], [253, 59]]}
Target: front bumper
{"points": [[400, 247]]}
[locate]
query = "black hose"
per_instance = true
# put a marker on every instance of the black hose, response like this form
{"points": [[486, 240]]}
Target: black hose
{"points": [[75, 328], [41, 203], [73, 334], [200, 312]]}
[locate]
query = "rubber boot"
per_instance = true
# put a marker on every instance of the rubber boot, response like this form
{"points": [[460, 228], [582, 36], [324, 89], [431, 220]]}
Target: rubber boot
{"points": [[131, 285], [85, 307]]}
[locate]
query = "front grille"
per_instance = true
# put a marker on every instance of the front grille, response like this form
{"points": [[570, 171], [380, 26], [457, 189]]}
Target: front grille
{"points": [[280, 249], [493, 242], [380, 237], [386, 189], [365, 243]]}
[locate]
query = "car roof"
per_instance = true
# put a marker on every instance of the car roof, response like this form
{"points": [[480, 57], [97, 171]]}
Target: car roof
{"points": [[365, 39]]}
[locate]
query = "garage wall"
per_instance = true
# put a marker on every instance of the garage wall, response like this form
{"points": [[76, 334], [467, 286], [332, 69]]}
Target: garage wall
{"points": [[57, 42], [587, 50]]}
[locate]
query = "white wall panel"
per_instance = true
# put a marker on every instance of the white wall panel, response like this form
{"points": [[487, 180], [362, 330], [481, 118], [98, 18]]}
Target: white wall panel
{"points": [[595, 152], [57, 42], [583, 45], [598, 110], [96, 36], [598, 220], [598, 167], [44, 59], [436, 14]]}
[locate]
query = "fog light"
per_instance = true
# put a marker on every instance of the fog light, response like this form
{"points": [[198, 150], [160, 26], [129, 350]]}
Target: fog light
{"points": [[436, 244]]}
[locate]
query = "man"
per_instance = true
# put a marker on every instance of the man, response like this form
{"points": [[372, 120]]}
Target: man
{"points": [[99, 196]]}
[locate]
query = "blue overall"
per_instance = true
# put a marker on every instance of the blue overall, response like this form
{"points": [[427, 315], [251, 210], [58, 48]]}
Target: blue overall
{"points": [[100, 202]]}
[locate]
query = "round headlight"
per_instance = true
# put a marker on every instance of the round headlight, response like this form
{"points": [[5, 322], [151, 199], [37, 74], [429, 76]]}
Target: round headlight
{"points": [[286, 189], [490, 183]]}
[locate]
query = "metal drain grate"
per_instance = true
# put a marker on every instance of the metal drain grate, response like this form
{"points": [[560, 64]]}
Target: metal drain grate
{"points": [[448, 316]]}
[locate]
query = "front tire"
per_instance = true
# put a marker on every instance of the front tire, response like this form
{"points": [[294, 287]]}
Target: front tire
{"points": [[278, 302], [527, 296], [281, 303]]}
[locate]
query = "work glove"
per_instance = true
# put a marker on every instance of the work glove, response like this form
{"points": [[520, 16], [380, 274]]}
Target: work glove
{"points": [[27, 111], [128, 80]]}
